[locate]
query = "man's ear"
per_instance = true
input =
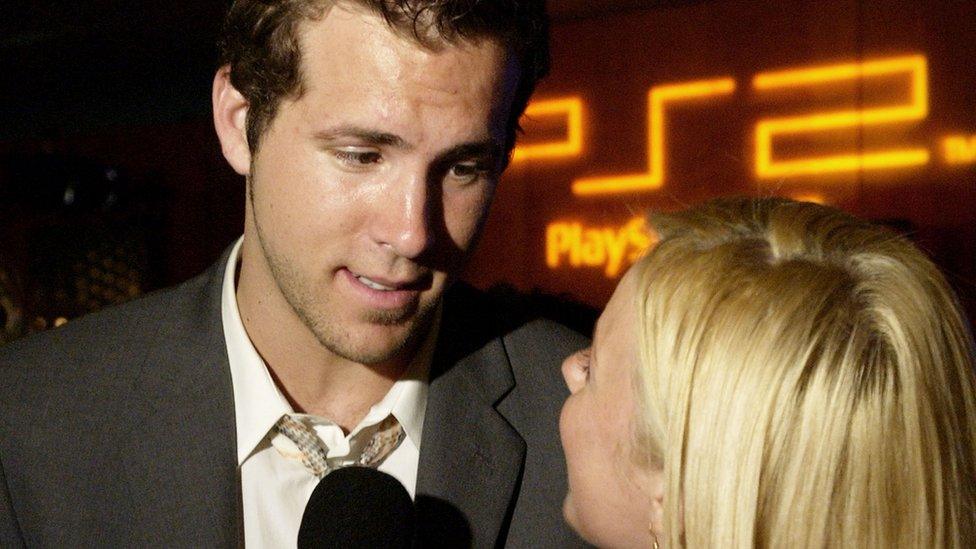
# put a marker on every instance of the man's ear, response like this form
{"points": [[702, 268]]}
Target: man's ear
{"points": [[230, 121]]}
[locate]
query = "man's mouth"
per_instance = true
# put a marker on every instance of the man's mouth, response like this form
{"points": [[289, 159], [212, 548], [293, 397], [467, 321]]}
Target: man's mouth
{"points": [[412, 284], [374, 285], [387, 293]]}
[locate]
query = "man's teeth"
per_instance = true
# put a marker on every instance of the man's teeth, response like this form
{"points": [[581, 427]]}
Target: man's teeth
{"points": [[374, 285]]}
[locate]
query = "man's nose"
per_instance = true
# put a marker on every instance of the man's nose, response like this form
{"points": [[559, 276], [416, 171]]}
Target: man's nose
{"points": [[403, 217]]}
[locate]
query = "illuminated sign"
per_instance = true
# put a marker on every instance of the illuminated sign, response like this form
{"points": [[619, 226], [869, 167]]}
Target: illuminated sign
{"points": [[956, 149], [656, 99], [915, 109], [959, 149], [904, 103], [611, 248], [571, 108]]}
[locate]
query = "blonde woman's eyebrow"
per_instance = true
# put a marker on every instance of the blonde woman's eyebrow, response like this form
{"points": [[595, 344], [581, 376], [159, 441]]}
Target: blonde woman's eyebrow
{"points": [[591, 361]]}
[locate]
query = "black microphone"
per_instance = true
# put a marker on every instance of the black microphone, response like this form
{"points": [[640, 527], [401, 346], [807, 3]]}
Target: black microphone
{"points": [[358, 507]]}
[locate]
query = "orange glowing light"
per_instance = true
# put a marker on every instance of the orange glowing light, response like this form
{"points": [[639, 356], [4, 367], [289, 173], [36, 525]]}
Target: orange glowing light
{"points": [[916, 109], [611, 248], [569, 107], [653, 179], [816, 198], [959, 149]]}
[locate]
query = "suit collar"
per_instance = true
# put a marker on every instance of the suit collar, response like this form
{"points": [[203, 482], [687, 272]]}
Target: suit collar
{"points": [[471, 459]]}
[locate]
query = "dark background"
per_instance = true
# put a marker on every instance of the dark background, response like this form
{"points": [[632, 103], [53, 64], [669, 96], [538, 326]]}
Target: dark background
{"points": [[112, 182]]}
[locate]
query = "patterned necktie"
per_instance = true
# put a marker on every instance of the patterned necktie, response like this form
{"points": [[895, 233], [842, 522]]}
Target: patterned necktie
{"points": [[389, 433]]}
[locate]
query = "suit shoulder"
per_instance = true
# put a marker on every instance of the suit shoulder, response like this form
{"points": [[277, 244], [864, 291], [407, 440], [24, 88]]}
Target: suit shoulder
{"points": [[129, 322], [538, 330], [101, 364], [548, 333], [103, 349], [554, 322], [537, 348]]}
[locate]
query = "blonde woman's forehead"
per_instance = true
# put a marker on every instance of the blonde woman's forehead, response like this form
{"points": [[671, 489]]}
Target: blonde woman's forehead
{"points": [[615, 337], [621, 303]]}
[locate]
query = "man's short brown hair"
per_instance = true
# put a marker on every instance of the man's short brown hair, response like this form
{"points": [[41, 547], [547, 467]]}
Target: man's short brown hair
{"points": [[260, 43]]}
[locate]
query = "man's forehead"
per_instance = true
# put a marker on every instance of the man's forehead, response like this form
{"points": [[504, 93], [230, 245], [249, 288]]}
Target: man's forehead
{"points": [[357, 71], [419, 30], [358, 49], [416, 22]]}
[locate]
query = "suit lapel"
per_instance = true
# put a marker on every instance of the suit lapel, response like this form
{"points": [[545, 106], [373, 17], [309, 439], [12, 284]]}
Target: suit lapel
{"points": [[471, 458], [180, 457], [180, 472]]}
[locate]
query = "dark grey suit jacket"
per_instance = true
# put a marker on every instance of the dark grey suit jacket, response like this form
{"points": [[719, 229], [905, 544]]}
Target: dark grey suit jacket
{"points": [[118, 429]]}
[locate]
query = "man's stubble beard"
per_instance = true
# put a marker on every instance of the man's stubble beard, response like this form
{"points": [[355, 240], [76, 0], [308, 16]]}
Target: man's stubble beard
{"points": [[330, 333]]}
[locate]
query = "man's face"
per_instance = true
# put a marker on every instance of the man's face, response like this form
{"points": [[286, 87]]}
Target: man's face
{"points": [[368, 192]]}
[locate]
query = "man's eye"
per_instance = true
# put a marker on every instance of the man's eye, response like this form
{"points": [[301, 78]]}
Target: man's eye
{"points": [[358, 158], [468, 171]]}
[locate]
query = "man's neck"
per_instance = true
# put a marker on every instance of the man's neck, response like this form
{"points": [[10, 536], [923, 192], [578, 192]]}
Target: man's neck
{"points": [[343, 395], [314, 379]]}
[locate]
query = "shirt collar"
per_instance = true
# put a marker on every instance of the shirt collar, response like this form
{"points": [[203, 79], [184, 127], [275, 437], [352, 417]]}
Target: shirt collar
{"points": [[411, 405], [259, 404]]}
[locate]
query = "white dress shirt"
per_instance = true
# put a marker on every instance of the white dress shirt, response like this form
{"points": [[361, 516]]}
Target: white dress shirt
{"points": [[275, 485]]}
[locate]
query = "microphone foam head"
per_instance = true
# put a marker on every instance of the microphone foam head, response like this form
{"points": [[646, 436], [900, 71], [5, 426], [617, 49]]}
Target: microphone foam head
{"points": [[358, 507]]}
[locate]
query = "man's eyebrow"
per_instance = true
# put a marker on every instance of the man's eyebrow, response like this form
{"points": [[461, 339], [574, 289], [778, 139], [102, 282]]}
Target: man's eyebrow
{"points": [[488, 148], [365, 135]]}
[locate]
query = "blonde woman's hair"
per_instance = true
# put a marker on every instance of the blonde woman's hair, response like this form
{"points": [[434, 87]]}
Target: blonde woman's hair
{"points": [[807, 381]]}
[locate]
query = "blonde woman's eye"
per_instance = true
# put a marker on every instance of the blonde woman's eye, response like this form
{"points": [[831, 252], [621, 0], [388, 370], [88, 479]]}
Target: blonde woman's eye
{"points": [[584, 362]]}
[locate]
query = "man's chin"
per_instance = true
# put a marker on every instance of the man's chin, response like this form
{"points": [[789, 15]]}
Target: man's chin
{"points": [[399, 316], [374, 349], [381, 338]]}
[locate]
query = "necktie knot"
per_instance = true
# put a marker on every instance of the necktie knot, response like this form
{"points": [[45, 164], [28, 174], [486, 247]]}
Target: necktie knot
{"points": [[385, 438]]}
